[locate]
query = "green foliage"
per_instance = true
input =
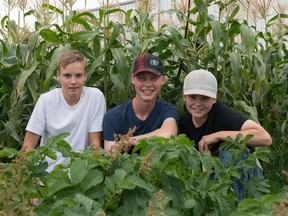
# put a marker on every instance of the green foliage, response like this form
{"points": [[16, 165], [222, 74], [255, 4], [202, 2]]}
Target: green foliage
{"points": [[261, 206], [17, 185], [250, 65], [167, 177]]}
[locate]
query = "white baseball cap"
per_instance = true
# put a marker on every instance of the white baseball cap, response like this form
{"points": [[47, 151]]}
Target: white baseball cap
{"points": [[200, 82]]}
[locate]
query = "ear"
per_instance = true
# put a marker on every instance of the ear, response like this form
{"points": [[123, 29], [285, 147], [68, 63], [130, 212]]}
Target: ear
{"points": [[132, 79], [164, 79], [215, 99], [58, 75], [183, 96]]}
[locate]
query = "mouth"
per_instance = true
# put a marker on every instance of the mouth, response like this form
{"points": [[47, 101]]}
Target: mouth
{"points": [[147, 91], [197, 109], [73, 88]]}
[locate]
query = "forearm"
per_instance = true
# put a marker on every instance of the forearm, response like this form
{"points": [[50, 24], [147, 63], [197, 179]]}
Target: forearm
{"points": [[108, 145], [159, 132], [30, 141], [135, 139], [260, 136], [258, 139], [95, 139], [168, 129], [27, 148]]}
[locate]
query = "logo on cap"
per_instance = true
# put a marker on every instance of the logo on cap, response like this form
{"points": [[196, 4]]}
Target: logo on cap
{"points": [[154, 62]]}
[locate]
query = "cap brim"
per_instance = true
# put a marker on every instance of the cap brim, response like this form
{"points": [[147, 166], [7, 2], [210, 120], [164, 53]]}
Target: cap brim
{"points": [[199, 92], [149, 70]]}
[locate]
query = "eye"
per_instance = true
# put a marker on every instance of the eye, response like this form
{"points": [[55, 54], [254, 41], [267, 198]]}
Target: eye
{"points": [[192, 97], [67, 75], [141, 78], [205, 98], [79, 75]]}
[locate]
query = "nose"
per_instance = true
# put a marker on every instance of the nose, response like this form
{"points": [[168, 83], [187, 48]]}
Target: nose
{"points": [[73, 80], [148, 82], [197, 101]]}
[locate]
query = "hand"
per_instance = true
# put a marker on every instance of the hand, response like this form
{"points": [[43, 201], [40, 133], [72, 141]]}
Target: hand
{"points": [[35, 201], [207, 142]]}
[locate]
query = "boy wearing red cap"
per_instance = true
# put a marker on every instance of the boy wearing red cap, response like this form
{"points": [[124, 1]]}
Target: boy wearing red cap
{"points": [[150, 116]]}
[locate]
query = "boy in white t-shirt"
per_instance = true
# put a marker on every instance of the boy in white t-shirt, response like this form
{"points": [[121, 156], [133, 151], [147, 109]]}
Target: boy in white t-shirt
{"points": [[73, 108]]}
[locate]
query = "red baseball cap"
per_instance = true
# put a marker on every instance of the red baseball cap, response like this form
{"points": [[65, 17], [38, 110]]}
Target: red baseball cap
{"points": [[148, 63]]}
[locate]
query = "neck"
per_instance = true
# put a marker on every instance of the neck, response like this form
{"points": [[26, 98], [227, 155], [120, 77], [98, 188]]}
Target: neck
{"points": [[142, 109], [72, 101], [198, 122]]}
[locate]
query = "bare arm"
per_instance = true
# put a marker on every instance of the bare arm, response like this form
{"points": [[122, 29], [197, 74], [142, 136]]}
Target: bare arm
{"points": [[168, 129], [261, 136], [95, 139], [30, 141]]}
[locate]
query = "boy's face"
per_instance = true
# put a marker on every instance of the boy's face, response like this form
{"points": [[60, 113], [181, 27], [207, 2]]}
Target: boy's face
{"points": [[72, 79], [147, 85], [199, 105]]}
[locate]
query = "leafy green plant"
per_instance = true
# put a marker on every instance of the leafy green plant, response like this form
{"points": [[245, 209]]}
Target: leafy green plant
{"points": [[169, 177], [250, 65], [16, 185], [257, 206], [281, 208]]}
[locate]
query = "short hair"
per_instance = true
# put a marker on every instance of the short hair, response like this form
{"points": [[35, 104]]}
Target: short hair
{"points": [[69, 57]]}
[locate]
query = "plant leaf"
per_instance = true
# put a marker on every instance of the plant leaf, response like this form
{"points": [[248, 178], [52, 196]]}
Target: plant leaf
{"points": [[140, 182], [78, 170], [92, 178]]}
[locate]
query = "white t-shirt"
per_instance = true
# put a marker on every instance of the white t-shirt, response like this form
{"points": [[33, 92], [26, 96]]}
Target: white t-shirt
{"points": [[52, 115]]}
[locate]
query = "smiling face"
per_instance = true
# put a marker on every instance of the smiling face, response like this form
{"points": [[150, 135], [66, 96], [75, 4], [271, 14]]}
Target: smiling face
{"points": [[199, 106], [72, 79], [147, 86]]}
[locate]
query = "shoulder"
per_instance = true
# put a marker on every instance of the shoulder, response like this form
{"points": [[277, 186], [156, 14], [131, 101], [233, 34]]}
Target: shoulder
{"points": [[92, 91], [50, 95], [52, 92], [165, 110], [48, 100], [227, 116], [220, 107], [122, 108], [224, 108], [117, 115], [185, 117], [220, 110], [164, 104]]}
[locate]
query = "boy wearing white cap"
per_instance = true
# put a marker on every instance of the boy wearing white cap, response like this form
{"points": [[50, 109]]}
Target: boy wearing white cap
{"points": [[207, 122]]}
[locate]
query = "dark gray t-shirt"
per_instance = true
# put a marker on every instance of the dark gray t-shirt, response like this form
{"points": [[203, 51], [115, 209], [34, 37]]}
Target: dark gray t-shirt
{"points": [[121, 118]]}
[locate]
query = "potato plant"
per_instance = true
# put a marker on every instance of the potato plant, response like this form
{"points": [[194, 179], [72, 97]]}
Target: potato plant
{"points": [[167, 177]]}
